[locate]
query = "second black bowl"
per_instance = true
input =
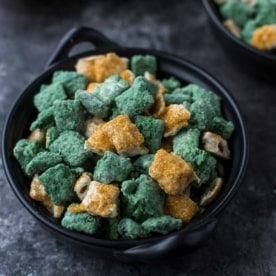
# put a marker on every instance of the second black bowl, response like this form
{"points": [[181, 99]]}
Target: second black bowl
{"points": [[251, 59]]}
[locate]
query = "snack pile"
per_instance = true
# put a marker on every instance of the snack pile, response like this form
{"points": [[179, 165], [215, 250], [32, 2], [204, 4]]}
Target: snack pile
{"points": [[254, 21], [118, 154]]}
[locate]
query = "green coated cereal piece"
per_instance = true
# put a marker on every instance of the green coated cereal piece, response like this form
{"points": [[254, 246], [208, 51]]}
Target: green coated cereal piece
{"points": [[176, 98], [143, 162], [143, 63], [162, 225], [202, 114], [112, 167], [69, 115], [237, 10], [134, 100], [59, 183], [82, 222], [198, 93], [70, 146], [48, 95], [141, 83], [171, 84], [222, 127], [248, 30], [142, 198], [185, 145], [92, 104], [25, 150], [52, 134], [131, 230], [266, 12], [152, 129], [72, 81], [44, 120], [42, 161], [110, 89]]}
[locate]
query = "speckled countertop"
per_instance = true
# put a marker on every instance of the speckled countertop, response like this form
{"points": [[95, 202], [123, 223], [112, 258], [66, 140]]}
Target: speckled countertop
{"points": [[244, 243]]}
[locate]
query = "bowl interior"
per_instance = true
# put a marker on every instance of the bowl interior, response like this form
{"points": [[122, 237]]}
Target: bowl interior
{"points": [[23, 113]]}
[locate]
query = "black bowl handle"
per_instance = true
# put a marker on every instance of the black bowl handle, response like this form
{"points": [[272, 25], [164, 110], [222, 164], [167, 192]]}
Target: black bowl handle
{"points": [[75, 36], [175, 245]]}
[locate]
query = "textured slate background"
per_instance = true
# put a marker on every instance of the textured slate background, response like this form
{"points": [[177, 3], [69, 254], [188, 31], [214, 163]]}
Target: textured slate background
{"points": [[244, 242]]}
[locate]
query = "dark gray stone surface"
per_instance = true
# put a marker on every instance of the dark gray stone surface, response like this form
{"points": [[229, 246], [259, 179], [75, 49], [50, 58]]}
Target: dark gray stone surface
{"points": [[244, 243]]}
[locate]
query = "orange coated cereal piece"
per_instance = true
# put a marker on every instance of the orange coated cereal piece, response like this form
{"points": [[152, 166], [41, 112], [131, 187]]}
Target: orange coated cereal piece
{"points": [[175, 116], [92, 86], [128, 76], [76, 208], [99, 141], [180, 206], [125, 136], [38, 193], [101, 200], [98, 68], [172, 173], [264, 38]]}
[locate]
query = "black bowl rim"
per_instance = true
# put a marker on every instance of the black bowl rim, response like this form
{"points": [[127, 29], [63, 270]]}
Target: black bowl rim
{"points": [[84, 238], [212, 14]]}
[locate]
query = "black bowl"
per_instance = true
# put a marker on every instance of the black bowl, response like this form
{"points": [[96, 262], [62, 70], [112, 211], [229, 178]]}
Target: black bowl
{"points": [[23, 113], [246, 56]]}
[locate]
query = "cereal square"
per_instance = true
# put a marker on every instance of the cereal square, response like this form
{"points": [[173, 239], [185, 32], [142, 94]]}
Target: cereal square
{"points": [[162, 224], [99, 141], [171, 172], [142, 198], [92, 104], [101, 200], [143, 63], [42, 161], [70, 146], [181, 207], [130, 229], [175, 117], [47, 96], [71, 80], [112, 167], [44, 120], [38, 193], [59, 184], [128, 141], [100, 67], [152, 130], [82, 222], [69, 115], [25, 150], [135, 100]]}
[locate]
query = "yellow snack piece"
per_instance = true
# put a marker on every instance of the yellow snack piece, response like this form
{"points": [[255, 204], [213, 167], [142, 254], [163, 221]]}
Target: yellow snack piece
{"points": [[125, 136], [175, 116], [37, 135], [180, 206], [82, 184], [99, 141], [264, 38], [101, 200], [75, 208], [232, 27], [158, 106], [38, 193], [98, 68], [92, 86], [128, 76], [172, 173], [90, 126]]}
